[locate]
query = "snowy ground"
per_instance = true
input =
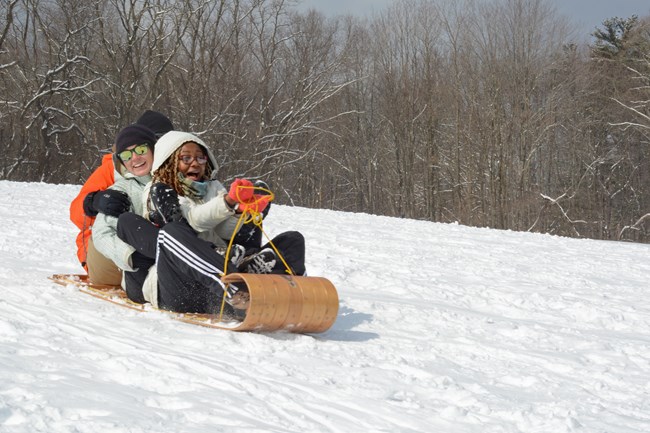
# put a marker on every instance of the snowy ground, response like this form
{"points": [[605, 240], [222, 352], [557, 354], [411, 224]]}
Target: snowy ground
{"points": [[442, 328]]}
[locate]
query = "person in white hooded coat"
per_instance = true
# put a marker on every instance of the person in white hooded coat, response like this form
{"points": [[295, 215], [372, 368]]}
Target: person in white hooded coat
{"points": [[192, 214]]}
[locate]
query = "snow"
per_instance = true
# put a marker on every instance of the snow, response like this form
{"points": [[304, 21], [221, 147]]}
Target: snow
{"points": [[441, 328]]}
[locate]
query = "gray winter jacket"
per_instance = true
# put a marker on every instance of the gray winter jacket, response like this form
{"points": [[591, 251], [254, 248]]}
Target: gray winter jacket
{"points": [[105, 228]]}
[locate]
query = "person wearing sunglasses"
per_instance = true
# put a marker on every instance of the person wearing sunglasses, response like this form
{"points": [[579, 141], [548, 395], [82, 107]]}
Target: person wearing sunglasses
{"points": [[192, 216], [95, 197], [134, 150]]}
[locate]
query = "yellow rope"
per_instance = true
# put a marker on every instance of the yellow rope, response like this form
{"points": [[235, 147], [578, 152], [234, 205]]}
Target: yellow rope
{"points": [[226, 261], [277, 253], [246, 217]]}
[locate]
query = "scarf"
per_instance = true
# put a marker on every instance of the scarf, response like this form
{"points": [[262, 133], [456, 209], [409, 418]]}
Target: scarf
{"points": [[191, 189]]}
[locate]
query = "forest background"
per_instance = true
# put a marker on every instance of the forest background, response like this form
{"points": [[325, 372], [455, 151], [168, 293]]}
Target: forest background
{"points": [[485, 113]]}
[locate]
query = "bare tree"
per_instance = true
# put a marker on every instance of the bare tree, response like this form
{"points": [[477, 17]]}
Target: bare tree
{"points": [[485, 113]]}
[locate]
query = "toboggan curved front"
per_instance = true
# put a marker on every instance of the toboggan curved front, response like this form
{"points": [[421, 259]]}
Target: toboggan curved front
{"points": [[287, 302]]}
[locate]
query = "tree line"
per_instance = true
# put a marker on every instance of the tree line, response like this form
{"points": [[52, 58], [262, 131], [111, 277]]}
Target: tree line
{"points": [[488, 114]]}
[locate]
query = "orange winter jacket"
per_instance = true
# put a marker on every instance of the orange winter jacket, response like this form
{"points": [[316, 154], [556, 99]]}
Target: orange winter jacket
{"points": [[102, 178]]}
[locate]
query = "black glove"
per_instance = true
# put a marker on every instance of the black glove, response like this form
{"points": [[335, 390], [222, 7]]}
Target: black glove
{"points": [[261, 184], [166, 208], [110, 202], [89, 209]]}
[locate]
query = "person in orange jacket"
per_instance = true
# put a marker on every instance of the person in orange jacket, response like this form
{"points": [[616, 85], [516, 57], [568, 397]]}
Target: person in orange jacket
{"points": [[95, 197]]}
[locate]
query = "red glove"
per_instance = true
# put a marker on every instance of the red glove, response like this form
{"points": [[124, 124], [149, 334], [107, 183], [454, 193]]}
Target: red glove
{"points": [[241, 190], [257, 203]]}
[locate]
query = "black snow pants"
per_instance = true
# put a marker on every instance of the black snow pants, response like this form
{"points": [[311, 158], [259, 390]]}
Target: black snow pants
{"points": [[189, 268]]}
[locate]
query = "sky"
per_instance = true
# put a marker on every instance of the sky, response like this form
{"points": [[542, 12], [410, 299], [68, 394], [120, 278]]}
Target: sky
{"points": [[441, 328], [585, 14]]}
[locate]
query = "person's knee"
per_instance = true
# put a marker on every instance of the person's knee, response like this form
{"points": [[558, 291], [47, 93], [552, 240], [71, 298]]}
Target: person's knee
{"points": [[124, 221], [294, 237], [127, 218], [177, 229]]}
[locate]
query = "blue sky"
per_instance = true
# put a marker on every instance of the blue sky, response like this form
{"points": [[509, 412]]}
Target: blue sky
{"points": [[585, 14]]}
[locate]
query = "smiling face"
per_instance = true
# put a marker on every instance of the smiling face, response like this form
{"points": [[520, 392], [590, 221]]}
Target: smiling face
{"points": [[139, 164], [195, 168]]}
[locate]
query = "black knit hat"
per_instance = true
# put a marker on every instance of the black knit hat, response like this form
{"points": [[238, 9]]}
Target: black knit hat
{"points": [[134, 134], [157, 122]]}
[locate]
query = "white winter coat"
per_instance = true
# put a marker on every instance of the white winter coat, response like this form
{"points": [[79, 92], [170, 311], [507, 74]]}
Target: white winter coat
{"points": [[210, 217]]}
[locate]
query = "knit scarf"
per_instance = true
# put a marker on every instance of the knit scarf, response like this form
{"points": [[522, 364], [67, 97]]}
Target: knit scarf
{"points": [[192, 189]]}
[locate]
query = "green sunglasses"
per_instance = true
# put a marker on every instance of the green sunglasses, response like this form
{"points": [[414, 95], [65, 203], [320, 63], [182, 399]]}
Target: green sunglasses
{"points": [[140, 149]]}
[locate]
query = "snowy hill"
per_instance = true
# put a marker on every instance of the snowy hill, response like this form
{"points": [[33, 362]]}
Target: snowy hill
{"points": [[442, 328]]}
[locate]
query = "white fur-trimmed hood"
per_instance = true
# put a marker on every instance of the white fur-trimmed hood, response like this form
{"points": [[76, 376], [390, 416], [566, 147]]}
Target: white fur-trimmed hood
{"points": [[168, 143]]}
